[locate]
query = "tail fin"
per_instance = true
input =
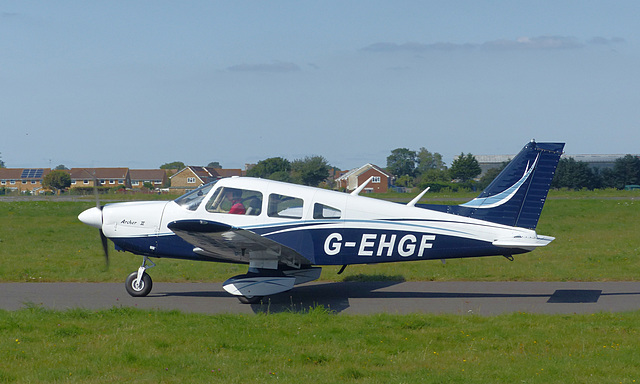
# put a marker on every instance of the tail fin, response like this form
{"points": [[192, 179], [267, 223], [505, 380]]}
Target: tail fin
{"points": [[517, 195]]}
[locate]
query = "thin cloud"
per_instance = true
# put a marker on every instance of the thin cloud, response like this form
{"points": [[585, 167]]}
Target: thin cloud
{"points": [[599, 40], [416, 47], [275, 67], [535, 43], [522, 43]]}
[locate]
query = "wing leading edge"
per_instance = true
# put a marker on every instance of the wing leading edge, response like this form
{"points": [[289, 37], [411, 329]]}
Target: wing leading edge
{"points": [[236, 245]]}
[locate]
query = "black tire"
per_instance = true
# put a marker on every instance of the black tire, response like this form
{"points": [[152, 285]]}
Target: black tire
{"points": [[250, 300], [145, 285]]}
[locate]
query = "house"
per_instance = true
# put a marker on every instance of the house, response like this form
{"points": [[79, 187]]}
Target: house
{"points": [[156, 177], [23, 180], [107, 177], [192, 177], [355, 177], [229, 172]]}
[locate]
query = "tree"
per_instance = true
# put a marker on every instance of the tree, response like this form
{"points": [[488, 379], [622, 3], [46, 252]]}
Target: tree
{"points": [[61, 167], [404, 181], [274, 168], [574, 174], [429, 161], [430, 168], [402, 162], [178, 165], [57, 180], [626, 171], [1, 162], [214, 164], [434, 175], [465, 167], [312, 170], [491, 174]]}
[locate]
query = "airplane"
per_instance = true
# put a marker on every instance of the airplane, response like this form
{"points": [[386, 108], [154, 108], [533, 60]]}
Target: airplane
{"points": [[285, 233]]}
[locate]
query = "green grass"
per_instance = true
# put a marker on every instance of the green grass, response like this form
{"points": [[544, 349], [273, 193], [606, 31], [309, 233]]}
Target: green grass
{"points": [[124, 345], [596, 240]]}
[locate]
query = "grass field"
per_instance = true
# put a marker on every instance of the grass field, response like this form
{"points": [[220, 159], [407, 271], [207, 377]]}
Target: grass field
{"points": [[123, 345], [596, 240]]}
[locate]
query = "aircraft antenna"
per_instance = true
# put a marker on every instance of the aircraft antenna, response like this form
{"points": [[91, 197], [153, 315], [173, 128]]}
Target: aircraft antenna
{"points": [[413, 202], [361, 187]]}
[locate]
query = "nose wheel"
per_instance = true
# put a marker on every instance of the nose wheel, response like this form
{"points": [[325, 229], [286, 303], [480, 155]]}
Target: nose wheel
{"points": [[139, 284]]}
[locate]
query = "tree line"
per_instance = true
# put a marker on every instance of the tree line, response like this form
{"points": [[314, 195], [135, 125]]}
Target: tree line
{"points": [[310, 170], [423, 169], [572, 174], [420, 169], [410, 168]]}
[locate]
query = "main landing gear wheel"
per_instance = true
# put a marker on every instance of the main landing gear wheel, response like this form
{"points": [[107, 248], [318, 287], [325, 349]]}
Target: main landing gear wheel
{"points": [[140, 289], [250, 300]]}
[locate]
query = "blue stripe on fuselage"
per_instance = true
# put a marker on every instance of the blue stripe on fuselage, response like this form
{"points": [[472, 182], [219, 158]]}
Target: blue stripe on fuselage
{"points": [[334, 246]]}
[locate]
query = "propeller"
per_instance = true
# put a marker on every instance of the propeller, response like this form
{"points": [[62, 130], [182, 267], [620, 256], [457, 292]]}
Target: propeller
{"points": [[105, 248], [103, 238]]}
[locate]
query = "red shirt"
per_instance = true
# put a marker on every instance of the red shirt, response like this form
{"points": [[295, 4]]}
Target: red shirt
{"points": [[237, 208]]}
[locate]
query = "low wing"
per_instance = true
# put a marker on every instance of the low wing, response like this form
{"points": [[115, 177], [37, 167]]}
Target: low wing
{"points": [[235, 245]]}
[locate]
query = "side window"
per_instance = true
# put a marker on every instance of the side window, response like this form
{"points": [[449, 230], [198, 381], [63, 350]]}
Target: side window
{"points": [[235, 201], [285, 206], [321, 211]]}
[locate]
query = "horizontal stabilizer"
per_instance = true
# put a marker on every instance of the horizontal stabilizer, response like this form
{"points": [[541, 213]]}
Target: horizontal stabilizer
{"points": [[524, 242]]}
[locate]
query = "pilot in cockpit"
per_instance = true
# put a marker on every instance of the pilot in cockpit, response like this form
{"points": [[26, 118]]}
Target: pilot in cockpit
{"points": [[234, 196]]}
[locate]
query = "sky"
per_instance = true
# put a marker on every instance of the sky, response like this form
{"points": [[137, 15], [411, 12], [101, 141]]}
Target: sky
{"points": [[142, 83]]}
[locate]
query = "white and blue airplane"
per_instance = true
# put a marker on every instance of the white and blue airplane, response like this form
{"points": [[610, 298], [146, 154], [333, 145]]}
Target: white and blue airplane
{"points": [[284, 232]]}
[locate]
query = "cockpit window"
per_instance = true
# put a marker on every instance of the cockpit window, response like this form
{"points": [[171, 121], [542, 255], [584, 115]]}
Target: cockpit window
{"points": [[191, 200], [321, 211], [235, 201], [285, 206]]}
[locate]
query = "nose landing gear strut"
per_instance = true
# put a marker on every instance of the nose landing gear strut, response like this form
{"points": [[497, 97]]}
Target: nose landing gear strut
{"points": [[139, 283]]}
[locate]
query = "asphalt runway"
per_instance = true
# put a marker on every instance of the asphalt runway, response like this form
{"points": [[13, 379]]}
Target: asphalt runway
{"points": [[482, 298]]}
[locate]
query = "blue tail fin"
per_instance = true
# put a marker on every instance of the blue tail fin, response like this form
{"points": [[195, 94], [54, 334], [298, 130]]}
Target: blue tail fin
{"points": [[517, 195]]}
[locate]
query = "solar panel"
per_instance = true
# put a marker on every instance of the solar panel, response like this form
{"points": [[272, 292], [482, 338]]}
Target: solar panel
{"points": [[32, 173]]}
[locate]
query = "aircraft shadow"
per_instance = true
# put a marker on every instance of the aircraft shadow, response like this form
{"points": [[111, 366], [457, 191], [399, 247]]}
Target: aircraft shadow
{"points": [[335, 296]]}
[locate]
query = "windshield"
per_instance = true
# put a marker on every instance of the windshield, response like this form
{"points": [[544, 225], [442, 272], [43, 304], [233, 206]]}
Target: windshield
{"points": [[191, 200]]}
